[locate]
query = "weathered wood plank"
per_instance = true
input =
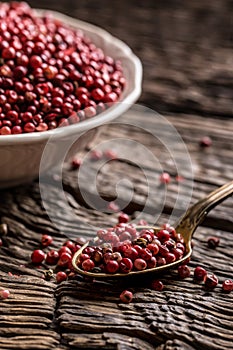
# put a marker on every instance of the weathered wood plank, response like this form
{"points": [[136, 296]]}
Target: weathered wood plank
{"points": [[209, 167], [187, 75]]}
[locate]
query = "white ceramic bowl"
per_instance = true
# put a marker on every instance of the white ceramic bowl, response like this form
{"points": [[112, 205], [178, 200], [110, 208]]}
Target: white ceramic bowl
{"points": [[20, 155]]}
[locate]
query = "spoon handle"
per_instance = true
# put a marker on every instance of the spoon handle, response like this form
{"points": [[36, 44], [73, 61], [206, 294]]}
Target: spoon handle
{"points": [[196, 214]]}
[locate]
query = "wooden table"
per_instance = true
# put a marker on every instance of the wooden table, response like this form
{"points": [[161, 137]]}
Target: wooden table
{"points": [[186, 50]]}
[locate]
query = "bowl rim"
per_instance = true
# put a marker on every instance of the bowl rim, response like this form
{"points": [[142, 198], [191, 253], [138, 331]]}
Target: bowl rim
{"points": [[121, 106]]}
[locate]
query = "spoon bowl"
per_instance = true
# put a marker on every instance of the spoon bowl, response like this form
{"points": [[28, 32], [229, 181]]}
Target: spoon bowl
{"points": [[186, 226]]}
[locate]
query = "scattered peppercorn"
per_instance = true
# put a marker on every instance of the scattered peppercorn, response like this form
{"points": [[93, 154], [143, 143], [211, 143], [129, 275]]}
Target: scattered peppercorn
{"points": [[76, 163], [126, 296], [183, 271], [123, 218], [205, 142], [165, 178], [211, 281], [227, 286], [200, 274], [110, 154], [157, 285], [4, 294], [61, 276], [52, 257], [46, 240], [38, 256], [213, 242]]}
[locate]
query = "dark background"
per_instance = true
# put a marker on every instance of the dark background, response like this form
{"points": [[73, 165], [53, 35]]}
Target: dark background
{"points": [[185, 47]]}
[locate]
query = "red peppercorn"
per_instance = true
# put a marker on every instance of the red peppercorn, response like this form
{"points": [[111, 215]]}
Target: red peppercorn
{"points": [[110, 154], [178, 253], [113, 207], [151, 263], [51, 57], [126, 296], [88, 250], [64, 260], [123, 218], [88, 265], [145, 254], [84, 257], [61, 276], [200, 273], [165, 178], [35, 61], [170, 258], [64, 249], [131, 253], [183, 271], [161, 261], [213, 242], [112, 266], [52, 257], [46, 240], [96, 155], [140, 264], [227, 286], [76, 163], [157, 285], [125, 265], [38, 256], [163, 235], [71, 245], [4, 294], [211, 281], [163, 250], [206, 141]]}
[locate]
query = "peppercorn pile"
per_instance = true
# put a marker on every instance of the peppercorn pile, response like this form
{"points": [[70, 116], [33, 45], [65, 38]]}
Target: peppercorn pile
{"points": [[51, 75], [125, 248]]}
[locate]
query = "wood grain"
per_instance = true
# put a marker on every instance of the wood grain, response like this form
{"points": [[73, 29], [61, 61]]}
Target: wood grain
{"points": [[186, 50]]}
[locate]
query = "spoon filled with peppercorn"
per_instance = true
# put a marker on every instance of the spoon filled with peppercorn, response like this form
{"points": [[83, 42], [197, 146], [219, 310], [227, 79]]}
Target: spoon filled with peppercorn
{"points": [[127, 249]]}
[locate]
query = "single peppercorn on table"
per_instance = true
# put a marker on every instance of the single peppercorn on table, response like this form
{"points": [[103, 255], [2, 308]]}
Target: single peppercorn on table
{"points": [[188, 79]]}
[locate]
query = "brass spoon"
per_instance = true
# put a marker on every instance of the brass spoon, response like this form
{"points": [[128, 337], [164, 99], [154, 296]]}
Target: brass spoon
{"points": [[186, 226]]}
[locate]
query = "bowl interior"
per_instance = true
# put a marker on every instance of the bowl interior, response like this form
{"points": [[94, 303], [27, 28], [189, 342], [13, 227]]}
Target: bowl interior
{"points": [[112, 46]]}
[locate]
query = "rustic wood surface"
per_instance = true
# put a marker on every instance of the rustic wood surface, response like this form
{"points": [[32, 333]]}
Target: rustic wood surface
{"points": [[186, 50]]}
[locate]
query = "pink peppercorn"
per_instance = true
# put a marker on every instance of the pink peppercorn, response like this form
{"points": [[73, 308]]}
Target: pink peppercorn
{"points": [[38, 256], [227, 286], [126, 296], [211, 281], [126, 265], [206, 141], [157, 285], [52, 257], [183, 271], [140, 264], [76, 163], [4, 294], [165, 178], [46, 240], [213, 242], [200, 273], [88, 265], [110, 154], [123, 218], [61, 276]]}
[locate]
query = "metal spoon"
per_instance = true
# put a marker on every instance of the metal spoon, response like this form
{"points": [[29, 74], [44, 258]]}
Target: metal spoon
{"points": [[186, 226]]}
